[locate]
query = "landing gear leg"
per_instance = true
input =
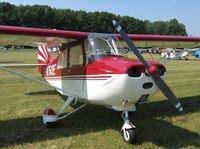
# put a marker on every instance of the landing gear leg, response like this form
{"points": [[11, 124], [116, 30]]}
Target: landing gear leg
{"points": [[50, 117], [128, 129]]}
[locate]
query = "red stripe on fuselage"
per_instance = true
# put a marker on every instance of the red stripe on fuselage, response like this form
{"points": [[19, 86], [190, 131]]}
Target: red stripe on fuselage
{"points": [[79, 78]]}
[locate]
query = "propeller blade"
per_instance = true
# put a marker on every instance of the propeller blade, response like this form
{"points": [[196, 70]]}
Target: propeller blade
{"points": [[130, 43], [151, 69], [167, 91]]}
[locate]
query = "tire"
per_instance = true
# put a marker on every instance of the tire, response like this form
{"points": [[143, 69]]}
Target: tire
{"points": [[129, 136]]}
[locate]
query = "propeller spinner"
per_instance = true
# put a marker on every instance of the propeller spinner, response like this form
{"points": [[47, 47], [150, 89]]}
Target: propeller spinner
{"points": [[152, 70]]}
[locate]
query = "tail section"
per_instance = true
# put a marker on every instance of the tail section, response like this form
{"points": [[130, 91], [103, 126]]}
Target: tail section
{"points": [[44, 58]]}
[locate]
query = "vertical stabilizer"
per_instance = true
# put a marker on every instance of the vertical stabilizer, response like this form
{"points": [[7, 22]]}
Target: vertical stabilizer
{"points": [[44, 58]]}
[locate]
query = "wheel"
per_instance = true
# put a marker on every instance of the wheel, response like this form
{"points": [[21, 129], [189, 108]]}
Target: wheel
{"points": [[49, 118], [129, 135]]}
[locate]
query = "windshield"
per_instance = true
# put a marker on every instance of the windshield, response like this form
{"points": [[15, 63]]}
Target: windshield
{"points": [[103, 45]]}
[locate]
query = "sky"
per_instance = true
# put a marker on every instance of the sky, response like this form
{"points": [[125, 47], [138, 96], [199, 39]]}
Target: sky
{"points": [[185, 11]]}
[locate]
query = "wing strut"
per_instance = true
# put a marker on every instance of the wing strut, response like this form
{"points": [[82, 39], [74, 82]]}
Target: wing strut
{"points": [[35, 80]]}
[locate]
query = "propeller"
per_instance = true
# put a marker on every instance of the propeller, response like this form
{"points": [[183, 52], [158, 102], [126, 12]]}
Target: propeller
{"points": [[152, 70]]}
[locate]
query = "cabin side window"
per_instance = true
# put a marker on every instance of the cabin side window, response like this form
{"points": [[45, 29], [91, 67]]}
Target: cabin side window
{"points": [[71, 57], [76, 56], [63, 59]]}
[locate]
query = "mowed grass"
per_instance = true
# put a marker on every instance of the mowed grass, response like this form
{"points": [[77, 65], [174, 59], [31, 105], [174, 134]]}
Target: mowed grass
{"points": [[158, 124]]}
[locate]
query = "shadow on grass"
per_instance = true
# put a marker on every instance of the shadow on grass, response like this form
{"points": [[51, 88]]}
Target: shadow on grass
{"points": [[194, 59], [153, 122], [39, 93]]}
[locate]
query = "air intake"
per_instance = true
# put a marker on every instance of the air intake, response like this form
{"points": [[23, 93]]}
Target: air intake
{"points": [[134, 71]]}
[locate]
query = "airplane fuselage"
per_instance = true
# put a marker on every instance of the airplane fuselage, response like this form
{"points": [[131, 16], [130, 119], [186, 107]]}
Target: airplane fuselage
{"points": [[114, 81]]}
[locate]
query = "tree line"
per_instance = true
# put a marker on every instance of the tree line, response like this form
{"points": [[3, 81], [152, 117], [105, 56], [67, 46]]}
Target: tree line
{"points": [[43, 16]]}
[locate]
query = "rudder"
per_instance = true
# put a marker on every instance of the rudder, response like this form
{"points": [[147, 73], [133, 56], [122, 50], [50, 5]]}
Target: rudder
{"points": [[44, 58]]}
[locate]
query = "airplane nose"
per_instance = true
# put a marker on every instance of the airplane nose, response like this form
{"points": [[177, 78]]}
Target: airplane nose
{"points": [[136, 71]]}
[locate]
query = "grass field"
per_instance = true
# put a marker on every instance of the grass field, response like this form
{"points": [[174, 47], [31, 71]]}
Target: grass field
{"points": [[22, 103]]}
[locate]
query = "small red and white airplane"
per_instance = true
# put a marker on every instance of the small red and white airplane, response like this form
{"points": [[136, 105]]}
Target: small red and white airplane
{"points": [[93, 68]]}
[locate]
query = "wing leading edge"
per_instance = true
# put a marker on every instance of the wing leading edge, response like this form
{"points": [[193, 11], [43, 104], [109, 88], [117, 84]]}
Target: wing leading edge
{"points": [[10, 35], [161, 41]]}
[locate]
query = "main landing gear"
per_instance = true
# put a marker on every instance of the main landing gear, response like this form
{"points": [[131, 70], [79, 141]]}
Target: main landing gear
{"points": [[128, 129], [50, 117]]}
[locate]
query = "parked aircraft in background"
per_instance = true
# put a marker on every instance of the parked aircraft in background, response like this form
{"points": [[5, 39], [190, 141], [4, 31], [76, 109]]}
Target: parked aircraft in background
{"points": [[171, 53]]}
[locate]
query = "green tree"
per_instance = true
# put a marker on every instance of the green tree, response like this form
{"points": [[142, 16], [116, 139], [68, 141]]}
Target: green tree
{"points": [[43, 16], [176, 28], [5, 12]]}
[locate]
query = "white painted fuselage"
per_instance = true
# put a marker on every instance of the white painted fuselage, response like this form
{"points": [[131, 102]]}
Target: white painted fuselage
{"points": [[118, 91]]}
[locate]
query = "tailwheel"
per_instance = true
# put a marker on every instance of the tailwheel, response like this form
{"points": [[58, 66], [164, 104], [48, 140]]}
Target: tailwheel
{"points": [[129, 135], [50, 118]]}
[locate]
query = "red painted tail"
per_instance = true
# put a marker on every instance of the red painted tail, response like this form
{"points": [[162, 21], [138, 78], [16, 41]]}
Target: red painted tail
{"points": [[44, 58]]}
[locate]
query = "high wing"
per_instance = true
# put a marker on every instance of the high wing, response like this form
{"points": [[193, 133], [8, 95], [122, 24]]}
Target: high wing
{"points": [[33, 37], [160, 41], [10, 35]]}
